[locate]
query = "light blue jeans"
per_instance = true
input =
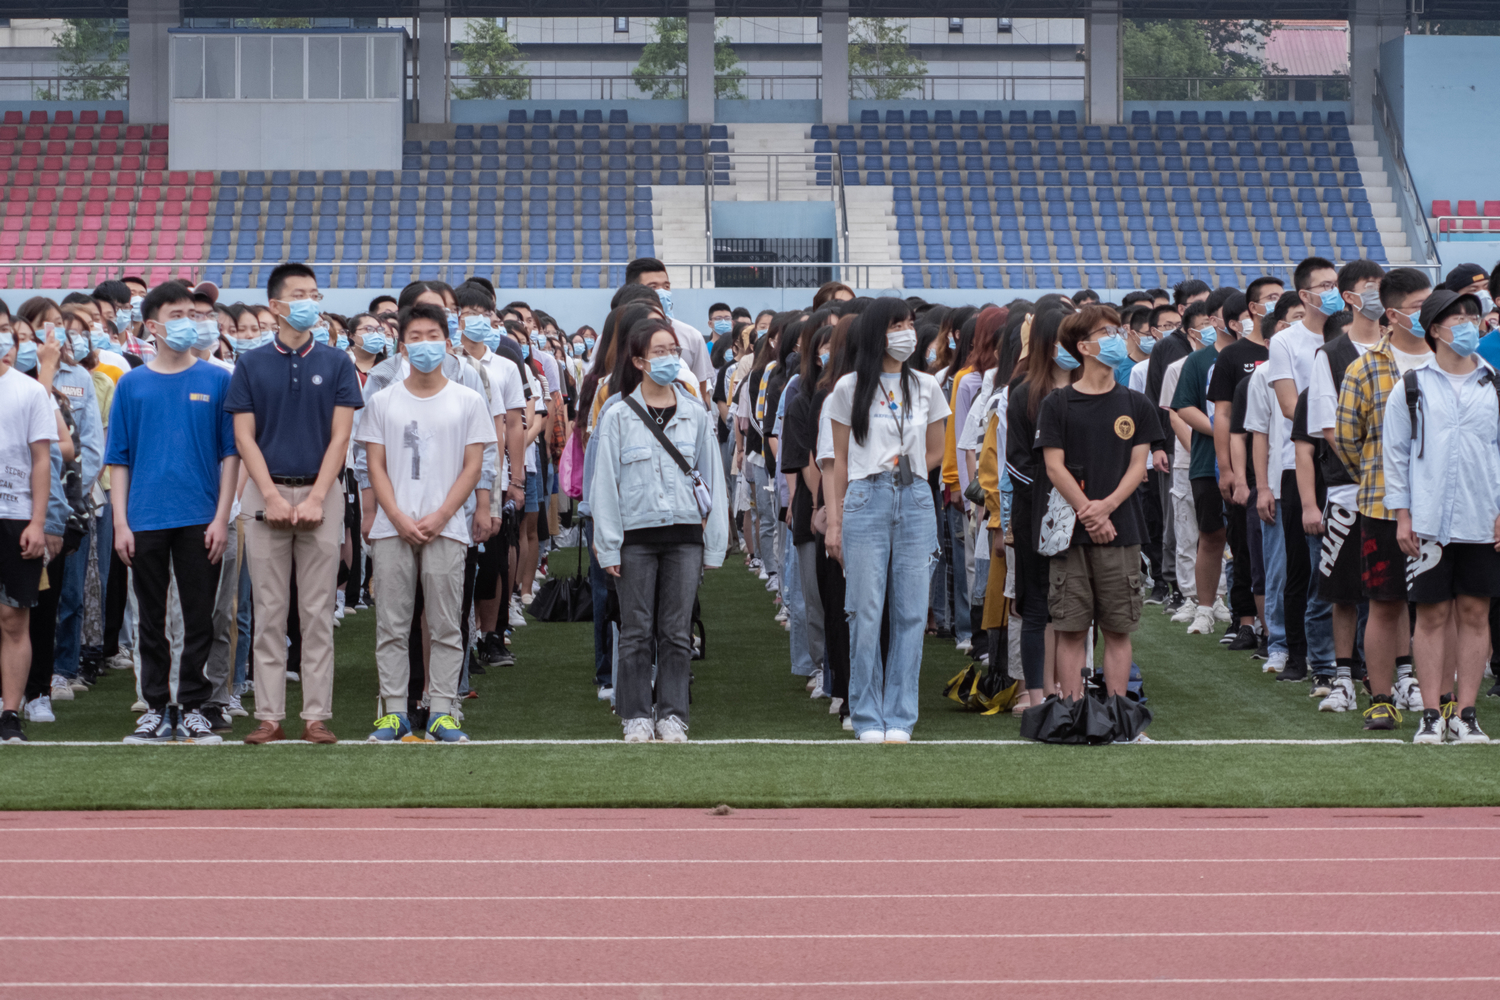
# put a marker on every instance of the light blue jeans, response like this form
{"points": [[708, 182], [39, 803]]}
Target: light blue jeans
{"points": [[765, 517], [1273, 551], [70, 613], [245, 637], [962, 629], [796, 607], [889, 542], [1319, 616]]}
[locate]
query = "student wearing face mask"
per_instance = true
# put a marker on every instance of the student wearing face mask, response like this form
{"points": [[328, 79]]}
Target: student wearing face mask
{"points": [[886, 421], [1441, 464], [1183, 548], [720, 323], [656, 464], [1172, 345]]}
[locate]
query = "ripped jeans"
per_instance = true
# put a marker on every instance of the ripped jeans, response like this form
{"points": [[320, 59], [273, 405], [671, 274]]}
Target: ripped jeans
{"points": [[889, 542]]}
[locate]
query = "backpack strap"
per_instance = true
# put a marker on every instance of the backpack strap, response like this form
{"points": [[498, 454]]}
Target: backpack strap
{"points": [[661, 435], [1413, 398]]}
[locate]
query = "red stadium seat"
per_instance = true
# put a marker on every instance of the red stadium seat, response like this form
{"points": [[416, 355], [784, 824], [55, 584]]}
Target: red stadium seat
{"points": [[135, 132], [52, 163], [38, 118], [200, 195], [114, 117], [98, 190], [9, 133], [26, 163], [12, 117], [126, 177], [45, 195], [170, 224], [176, 193], [177, 177], [88, 118], [1469, 208], [130, 163], [66, 223], [23, 178], [81, 148], [49, 177], [31, 147], [159, 131], [78, 163], [93, 210], [153, 177], [56, 147], [156, 163], [198, 208], [1492, 211], [132, 147], [114, 239], [73, 192], [34, 133], [63, 117], [109, 131], [84, 132], [203, 177], [58, 132], [99, 179], [73, 178]]}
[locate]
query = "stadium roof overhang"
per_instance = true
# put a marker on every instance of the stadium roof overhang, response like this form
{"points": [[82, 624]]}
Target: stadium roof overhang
{"points": [[1193, 9]]}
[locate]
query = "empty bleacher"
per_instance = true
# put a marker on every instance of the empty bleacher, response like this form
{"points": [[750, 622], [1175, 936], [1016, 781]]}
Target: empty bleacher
{"points": [[1466, 218]]}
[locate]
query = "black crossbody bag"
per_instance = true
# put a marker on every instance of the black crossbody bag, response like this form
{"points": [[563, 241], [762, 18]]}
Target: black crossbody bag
{"points": [[701, 493]]}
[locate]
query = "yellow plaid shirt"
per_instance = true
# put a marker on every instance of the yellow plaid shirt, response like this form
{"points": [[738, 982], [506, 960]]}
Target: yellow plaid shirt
{"points": [[1358, 428]]}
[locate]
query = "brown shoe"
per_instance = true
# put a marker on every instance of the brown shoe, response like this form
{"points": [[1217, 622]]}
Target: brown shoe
{"points": [[266, 732], [316, 732]]}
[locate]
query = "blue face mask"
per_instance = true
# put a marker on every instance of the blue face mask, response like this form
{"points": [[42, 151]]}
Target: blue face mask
{"points": [[303, 314], [1415, 319], [241, 346], [588, 342], [1113, 350], [822, 357], [373, 343], [99, 340], [208, 332], [320, 334], [665, 294], [135, 308], [1065, 361], [722, 326], [664, 370], [26, 356], [343, 342], [453, 325], [952, 344], [1208, 335], [1465, 339], [729, 357], [425, 355], [577, 350], [179, 334], [477, 329], [266, 340], [1146, 344], [525, 351], [81, 347], [492, 339], [6, 343], [1331, 302]]}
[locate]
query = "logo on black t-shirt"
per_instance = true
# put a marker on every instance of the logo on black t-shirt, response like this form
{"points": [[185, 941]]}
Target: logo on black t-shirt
{"points": [[1124, 428]]}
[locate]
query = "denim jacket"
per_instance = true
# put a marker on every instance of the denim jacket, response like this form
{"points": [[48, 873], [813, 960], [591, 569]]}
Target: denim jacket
{"points": [[1449, 477], [636, 484], [77, 386]]}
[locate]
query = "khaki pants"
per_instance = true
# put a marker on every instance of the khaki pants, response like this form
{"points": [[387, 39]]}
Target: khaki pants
{"points": [[272, 553], [438, 567]]}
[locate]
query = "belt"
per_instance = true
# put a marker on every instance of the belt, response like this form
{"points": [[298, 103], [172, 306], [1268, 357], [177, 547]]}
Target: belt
{"points": [[294, 480]]}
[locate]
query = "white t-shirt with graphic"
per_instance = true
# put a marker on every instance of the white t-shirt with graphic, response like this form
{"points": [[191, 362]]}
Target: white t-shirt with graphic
{"points": [[883, 442], [26, 415]]}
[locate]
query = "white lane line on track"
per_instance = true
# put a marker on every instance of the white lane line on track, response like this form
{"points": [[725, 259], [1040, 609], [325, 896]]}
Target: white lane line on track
{"points": [[428, 831], [720, 861], [839, 897], [179, 984], [1395, 742], [1094, 935]]}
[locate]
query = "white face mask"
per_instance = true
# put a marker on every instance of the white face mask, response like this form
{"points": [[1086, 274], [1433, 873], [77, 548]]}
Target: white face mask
{"points": [[900, 344], [1247, 325]]}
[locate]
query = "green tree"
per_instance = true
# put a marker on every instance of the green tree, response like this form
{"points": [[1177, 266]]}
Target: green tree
{"points": [[662, 68], [279, 22], [881, 67], [489, 54], [1209, 50], [88, 49]]}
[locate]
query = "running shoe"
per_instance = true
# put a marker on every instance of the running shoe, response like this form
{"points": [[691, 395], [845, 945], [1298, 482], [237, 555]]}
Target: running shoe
{"points": [[1221, 612], [964, 645], [1158, 594], [872, 736], [153, 727], [1322, 686], [846, 724], [671, 730], [1295, 672], [1245, 638], [1275, 663], [517, 616], [1203, 621], [1465, 728], [773, 583], [1174, 602], [1262, 647], [605, 693], [192, 727], [444, 729], [10, 728], [390, 729], [1408, 695], [218, 717], [1341, 698], [1430, 731], [236, 707], [897, 736], [1382, 713], [491, 649], [39, 709], [638, 731], [62, 688], [1186, 613]]}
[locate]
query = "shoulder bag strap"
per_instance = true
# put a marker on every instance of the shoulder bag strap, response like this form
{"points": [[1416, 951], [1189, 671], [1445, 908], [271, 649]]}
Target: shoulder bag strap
{"points": [[661, 435]]}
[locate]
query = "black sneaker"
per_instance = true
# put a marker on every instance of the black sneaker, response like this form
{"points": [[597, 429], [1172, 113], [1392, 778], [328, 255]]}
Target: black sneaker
{"points": [[1244, 638], [10, 728], [1173, 603], [1382, 713], [1296, 671], [1158, 593], [1322, 686], [1262, 648], [193, 727], [491, 648], [153, 727], [1494, 692], [218, 717]]}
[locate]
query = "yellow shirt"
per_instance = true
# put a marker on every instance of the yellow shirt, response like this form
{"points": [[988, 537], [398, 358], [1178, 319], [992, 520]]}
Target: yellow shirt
{"points": [[950, 438]]}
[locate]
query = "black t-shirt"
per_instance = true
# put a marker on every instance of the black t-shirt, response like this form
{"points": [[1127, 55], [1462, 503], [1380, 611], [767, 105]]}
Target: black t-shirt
{"points": [[1020, 439], [1172, 348], [720, 424], [1299, 433], [753, 442], [799, 441], [1097, 434], [1235, 365], [1237, 426]]}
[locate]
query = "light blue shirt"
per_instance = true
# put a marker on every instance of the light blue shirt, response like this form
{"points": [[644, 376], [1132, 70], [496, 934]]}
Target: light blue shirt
{"points": [[1449, 476], [77, 386]]}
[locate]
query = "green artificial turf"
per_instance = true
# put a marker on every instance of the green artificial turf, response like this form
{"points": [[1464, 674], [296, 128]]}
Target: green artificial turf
{"points": [[743, 690]]}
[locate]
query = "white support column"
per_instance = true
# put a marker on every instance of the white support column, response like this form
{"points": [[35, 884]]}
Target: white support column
{"points": [[1372, 23], [150, 82], [1104, 82], [432, 63], [835, 81], [700, 62]]}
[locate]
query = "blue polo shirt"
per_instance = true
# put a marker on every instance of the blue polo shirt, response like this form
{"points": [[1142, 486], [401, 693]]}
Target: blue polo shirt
{"points": [[292, 394], [1489, 348]]}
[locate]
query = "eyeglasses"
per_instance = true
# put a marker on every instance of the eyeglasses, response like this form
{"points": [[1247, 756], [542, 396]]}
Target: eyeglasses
{"points": [[367, 329], [295, 297], [663, 352], [1326, 286]]}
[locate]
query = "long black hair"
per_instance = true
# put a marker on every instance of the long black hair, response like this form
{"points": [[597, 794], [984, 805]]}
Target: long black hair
{"points": [[868, 337], [634, 343]]}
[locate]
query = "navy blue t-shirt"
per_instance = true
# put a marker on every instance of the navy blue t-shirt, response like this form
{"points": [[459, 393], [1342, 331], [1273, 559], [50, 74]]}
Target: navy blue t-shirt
{"points": [[172, 432], [292, 394]]}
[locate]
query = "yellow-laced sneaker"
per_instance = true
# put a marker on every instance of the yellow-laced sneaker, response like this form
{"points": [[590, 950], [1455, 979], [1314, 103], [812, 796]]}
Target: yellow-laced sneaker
{"points": [[444, 729], [390, 729], [1382, 713]]}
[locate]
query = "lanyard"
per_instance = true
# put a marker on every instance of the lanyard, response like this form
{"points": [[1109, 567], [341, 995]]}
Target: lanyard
{"points": [[896, 415]]}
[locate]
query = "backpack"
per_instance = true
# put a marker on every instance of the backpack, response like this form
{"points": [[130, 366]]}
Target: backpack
{"points": [[1414, 397]]}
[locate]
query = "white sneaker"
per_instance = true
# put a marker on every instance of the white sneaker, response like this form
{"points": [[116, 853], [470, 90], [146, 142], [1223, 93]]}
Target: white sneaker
{"points": [[123, 660], [338, 613], [526, 600], [835, 705], [1203, 622], [139, 706], [1430, 731], [338, 620], [964, 645], [1408, 695], [671, 730], [814, 680], [62, 688], [781, 615], [1465, 730], [1221, 613], [760, 572], [293, 677], [773, 584], [1186, 613], [39, 709], [236, 708], [638, 731], [605, 693], [847, 725], [897, 736], [1341, 699], [1276, 662], [872, 736], [517, 618]]}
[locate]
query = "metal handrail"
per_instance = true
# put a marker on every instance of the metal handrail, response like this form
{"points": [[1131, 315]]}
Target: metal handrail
{"points": [[843, 205], [1465, 224], [1387, 118], [1005, 89], [54, 84]]}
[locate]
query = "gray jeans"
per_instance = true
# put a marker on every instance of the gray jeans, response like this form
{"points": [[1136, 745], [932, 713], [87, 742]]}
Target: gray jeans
{"points": [[656, 587]]}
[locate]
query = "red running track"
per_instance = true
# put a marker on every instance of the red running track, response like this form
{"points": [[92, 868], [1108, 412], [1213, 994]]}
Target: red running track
{"points": [[671, 904]]}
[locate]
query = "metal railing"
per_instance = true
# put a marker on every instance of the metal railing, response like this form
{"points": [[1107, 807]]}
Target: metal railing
{"points": [[1265, 88], [801, 166], [1459, 225], [953, 87], [1387, 118], [628, 86], [50, 88]]}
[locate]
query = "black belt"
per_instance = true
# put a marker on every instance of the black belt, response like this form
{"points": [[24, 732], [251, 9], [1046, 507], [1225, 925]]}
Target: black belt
{"points": [[294, 480]]}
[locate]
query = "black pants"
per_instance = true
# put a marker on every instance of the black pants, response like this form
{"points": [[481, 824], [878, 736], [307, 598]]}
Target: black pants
{"points": [[1237, 534], [1032, 583], [1150, 499], [160, 555], [1298, 567], [835, 624], [116, 597], [43, 627]]}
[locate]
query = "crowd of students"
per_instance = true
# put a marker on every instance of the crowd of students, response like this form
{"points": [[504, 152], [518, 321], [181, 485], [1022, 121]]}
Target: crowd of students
{"points": [[200, 492]]}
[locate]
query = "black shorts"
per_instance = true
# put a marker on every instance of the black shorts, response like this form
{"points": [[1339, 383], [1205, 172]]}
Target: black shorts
{"points": [[19, 578], [1443, 572], [1338, 576], [490, 561], [1208, 503], [1382, 564]]}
